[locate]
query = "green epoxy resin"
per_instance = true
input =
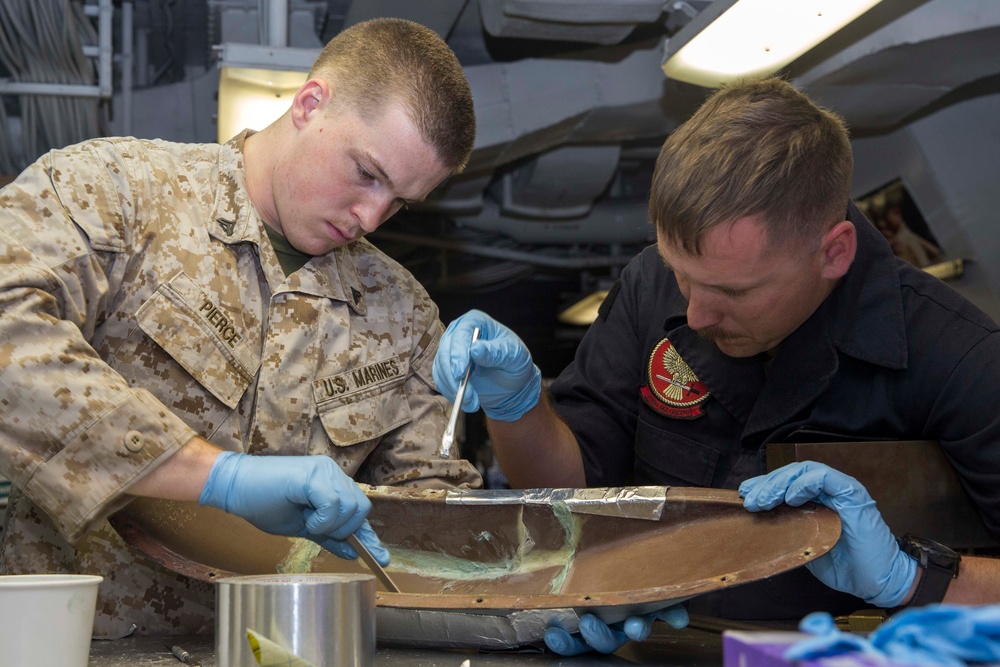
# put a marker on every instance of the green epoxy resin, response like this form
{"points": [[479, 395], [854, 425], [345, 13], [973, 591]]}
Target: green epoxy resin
{"points": [[300, 557], [454, 568], [571, 529], [527, 558]]}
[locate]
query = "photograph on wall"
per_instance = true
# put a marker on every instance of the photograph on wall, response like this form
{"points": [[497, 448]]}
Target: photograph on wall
{"points": [[894, 213]]}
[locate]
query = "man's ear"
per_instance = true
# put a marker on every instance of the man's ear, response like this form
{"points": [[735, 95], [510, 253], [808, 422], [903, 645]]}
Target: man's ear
{"points": [[838, 247], [310, 99]]}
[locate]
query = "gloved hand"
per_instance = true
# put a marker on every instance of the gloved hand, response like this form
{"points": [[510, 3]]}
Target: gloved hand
{"points": [[866, 561], [596, 635], [504, 380], [937, 634], [296, 496]]}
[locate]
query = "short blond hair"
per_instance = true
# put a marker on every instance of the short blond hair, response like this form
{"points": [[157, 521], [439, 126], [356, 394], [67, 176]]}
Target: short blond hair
{"points": [[376, 63], [754, 148]]}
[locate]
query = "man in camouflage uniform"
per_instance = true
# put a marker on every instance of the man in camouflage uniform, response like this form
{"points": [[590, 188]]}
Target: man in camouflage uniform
{"points": [[172, 314]]}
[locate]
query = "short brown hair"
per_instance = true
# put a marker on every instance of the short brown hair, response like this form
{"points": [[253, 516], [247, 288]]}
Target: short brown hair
{"points": [[754, 148], [386, 60]]}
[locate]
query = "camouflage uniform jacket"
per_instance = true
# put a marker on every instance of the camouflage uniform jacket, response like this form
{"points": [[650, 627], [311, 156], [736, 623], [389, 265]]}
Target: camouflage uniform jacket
{"points": [[141, 303]]}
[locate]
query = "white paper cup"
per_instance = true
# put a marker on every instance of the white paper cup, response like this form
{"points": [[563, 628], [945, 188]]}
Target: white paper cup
{"points": [[47, 619]]}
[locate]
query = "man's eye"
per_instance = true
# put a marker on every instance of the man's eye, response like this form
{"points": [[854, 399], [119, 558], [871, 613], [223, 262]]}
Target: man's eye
{"points": [[363, 173], [733, 292]]}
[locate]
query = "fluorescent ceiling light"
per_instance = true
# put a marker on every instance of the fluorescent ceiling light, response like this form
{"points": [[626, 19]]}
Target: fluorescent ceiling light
{"points": [[256, 85], [253, 98], [730, 39]]}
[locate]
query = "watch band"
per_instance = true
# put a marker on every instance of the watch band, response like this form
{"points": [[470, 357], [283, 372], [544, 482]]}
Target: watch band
{"points": [[938, 566], [934, 582]]}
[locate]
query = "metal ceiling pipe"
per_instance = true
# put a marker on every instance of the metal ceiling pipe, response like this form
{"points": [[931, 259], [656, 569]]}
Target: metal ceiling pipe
{"points": [[277, 22], [533, 258], [127, 67]]}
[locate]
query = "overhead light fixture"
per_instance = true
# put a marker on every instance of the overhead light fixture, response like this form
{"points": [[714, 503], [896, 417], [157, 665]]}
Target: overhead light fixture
{"points": [[584, 311], [730, 39], [951, 269], [256, 85]]}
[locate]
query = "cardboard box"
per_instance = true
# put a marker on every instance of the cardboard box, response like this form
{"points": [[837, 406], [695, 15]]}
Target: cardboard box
{"points": [[766, 649]]}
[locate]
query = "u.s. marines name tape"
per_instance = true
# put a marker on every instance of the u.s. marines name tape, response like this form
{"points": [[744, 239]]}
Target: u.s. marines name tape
{"points": [[359, 378]]}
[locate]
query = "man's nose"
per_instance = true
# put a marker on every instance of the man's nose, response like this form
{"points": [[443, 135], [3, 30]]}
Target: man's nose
{"points": [[701, 313], [374, 212]]}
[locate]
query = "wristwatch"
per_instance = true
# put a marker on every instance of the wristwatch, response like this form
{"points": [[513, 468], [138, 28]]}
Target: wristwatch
{"points": [[939, 565]]}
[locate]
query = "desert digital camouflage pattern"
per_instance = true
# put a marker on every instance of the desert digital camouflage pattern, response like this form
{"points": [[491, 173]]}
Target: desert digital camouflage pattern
{"points": [[141, 304]]}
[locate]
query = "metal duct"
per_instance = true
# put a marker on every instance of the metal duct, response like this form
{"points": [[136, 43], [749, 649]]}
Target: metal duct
{"points": [[892, 74], [532, 105], [608, 222], [439, 15], [561, 183]]}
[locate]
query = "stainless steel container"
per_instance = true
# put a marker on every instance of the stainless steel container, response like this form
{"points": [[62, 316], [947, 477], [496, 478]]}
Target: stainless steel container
{"points": [[327, 619]]}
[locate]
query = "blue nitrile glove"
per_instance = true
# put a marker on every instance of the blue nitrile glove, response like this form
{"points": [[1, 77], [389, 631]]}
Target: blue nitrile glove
{"points": [[596, 635], [504, 380], [866, 561], [941, 634], [295, 496], [828, 640], [938, 634]]}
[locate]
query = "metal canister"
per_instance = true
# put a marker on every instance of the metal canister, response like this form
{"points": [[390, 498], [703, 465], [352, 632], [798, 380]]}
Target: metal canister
{"points": [[326, 619]]}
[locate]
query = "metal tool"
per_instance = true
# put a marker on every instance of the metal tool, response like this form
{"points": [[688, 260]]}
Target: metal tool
{"points": [[448, 439], [372, 564], [183, 656]]}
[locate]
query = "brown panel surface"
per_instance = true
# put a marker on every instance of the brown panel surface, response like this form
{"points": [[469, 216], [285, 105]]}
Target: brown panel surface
{"points": [[509, 557], [912, 482]]}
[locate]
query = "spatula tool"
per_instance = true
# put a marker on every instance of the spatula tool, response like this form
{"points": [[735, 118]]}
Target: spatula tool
{"points": [[448, 439], [372, 564]]}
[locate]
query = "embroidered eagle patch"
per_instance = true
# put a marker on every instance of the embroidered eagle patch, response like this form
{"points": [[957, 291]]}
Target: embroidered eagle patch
{"points": [[672, 388]]}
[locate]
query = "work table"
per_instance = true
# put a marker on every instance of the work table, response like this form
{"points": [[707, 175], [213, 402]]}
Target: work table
{"points": [[690, 648]]}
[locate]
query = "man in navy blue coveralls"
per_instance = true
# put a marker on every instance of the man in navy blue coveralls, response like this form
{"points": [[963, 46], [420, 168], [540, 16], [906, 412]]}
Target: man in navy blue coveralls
{"points": [[769, 306]]}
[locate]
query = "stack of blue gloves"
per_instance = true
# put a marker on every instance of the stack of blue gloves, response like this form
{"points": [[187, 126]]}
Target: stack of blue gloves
{"points": [[938, 634]]}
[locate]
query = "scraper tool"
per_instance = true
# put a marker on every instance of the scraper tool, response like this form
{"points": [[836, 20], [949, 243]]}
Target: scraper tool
{"points": [[372, 564]]}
